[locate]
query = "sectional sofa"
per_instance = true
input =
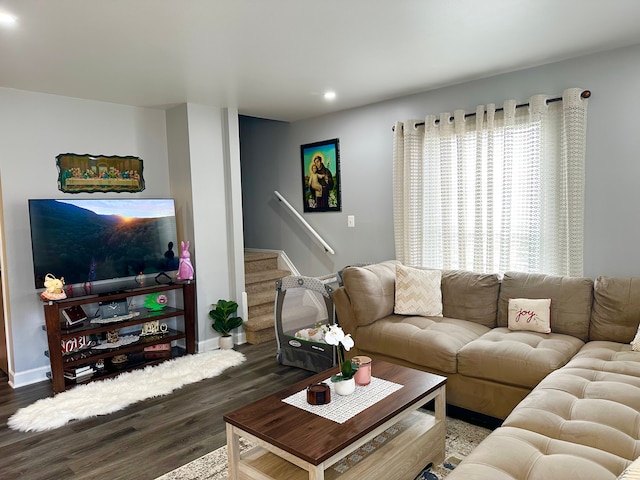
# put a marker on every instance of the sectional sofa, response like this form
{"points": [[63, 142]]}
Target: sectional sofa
{"points": [[570, 399]]}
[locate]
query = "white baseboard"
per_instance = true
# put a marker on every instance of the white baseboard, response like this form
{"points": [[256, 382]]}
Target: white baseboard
{"points": [[214, 343], [28, 377]]}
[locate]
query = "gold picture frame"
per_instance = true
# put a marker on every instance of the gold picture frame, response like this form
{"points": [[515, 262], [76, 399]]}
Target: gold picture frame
{"points": [[99, 173]]}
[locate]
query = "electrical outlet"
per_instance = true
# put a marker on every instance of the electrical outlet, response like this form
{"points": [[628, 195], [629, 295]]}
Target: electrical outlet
{"points": [[351, 221]]}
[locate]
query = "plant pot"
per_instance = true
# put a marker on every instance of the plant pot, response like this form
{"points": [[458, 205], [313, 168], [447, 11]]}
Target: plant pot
{"points": [[226, 342], [343, 387]]}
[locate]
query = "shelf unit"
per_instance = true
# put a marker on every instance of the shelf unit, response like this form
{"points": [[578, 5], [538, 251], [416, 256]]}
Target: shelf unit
{"points": [[57, 332]]}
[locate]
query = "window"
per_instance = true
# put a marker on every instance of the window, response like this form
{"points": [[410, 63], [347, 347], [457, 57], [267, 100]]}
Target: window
{"points": [[496, 191]]}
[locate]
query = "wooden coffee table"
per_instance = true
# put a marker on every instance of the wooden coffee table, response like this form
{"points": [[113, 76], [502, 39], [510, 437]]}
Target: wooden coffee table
{"points": [[292, 443]]}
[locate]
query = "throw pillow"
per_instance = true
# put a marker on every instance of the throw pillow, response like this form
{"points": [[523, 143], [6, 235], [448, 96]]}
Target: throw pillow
{"points": [[418, 292], [635, 343], [532, 314]]}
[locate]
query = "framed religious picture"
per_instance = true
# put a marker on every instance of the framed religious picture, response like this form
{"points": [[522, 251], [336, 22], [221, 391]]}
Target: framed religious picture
{"points": [[321, 176], [99, 173]]}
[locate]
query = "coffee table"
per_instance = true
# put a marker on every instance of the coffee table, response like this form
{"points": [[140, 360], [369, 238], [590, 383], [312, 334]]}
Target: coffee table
{"points": [[291, 443]]}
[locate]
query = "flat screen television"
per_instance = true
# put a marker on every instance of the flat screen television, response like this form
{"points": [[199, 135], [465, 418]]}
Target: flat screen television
{"points": [[93, 240]]}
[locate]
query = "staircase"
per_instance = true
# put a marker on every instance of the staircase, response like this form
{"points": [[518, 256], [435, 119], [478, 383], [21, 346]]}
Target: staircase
{"points": [[261, 272]]}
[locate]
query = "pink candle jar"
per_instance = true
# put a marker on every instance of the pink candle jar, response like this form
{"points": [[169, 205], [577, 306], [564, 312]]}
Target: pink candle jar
{"points": [[363, 374]]}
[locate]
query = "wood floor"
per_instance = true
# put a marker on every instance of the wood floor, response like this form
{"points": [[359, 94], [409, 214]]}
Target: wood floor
{"points": [[145, 440]]}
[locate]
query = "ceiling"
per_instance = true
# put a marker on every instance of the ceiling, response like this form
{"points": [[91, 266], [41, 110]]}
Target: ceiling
{"points": [[275, 58]]}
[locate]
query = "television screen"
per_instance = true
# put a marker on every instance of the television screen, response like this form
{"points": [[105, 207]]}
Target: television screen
{"points": [[92, 240]]}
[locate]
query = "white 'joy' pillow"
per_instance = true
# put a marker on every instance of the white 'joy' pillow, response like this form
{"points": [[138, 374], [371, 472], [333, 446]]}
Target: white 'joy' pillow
{"points": [[531, 314], [418, 292]]}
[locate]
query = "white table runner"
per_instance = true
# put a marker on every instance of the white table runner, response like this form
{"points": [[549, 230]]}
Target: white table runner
{"points": [[342, 408]]}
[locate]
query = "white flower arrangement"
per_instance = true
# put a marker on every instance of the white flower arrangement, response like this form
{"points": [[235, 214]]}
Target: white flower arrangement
{"points": [[334, 335]]}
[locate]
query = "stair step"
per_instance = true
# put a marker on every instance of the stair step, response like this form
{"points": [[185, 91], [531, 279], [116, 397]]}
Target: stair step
{"points": [[260, 322], [262, 309], [263, 281], [259, 298], [258, 262], [260, 329]]}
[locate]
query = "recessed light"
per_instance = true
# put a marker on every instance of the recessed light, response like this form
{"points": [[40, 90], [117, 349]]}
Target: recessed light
{"points": [[329, 95], [7, 19]]}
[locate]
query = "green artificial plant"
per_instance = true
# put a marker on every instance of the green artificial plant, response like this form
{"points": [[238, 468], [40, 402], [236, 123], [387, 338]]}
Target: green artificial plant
{"points": [[221, 314]]}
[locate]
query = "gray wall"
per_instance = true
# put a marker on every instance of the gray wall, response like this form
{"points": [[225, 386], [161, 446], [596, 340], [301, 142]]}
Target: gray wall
{"points": [[270, 155]]}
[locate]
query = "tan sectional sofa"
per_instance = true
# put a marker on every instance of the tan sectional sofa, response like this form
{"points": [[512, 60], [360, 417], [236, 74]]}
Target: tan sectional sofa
{"points": [[570, 399]]}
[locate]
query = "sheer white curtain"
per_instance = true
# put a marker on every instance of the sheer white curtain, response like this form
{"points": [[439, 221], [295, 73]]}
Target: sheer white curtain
{"points": [[499, 190]]}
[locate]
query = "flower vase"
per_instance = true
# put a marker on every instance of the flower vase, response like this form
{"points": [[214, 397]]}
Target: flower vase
{"points": [[343, 387]]}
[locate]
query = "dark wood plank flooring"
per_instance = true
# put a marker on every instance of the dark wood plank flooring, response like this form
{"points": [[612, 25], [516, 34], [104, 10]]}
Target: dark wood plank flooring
{"points": [[145, 440]]}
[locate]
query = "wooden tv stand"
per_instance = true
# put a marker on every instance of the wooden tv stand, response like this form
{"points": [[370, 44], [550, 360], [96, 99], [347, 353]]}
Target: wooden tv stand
{"points": [[58, 332]]}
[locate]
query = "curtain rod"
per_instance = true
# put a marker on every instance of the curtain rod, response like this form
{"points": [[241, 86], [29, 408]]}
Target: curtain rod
{"points": [[584, 94]]}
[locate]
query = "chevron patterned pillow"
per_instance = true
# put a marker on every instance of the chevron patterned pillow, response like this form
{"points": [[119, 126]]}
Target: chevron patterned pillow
{"points": [[418, 292]]}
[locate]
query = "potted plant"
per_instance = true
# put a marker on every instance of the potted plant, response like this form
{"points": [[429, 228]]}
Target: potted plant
{"points": [[343, 382], [224, 321]]}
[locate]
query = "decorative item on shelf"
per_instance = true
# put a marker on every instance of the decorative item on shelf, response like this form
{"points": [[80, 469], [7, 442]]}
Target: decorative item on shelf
{"points": [[185, 269], [224, 322], [114, 308], [120, 342], [154, 327], [113, 336], [156, 301], [161, 350], [74, 315], [363, 375], [75, 344], [79, 374], [119, 361], [53, 288], [343, 382]]}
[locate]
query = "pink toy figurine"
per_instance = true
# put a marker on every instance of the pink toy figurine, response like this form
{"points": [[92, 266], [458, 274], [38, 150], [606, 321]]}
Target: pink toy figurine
{"points": [[185, 269]]}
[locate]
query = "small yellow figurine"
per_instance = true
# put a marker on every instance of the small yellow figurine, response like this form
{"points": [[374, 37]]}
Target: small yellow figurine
{"points": [[53, 288]]}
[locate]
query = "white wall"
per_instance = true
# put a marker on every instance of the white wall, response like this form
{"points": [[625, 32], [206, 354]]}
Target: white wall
{"points": [[204, 171], [35, 129], [271, 161]]}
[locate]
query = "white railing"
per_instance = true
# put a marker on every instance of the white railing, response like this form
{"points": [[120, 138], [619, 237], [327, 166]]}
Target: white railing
{"points": [[309, 228]]}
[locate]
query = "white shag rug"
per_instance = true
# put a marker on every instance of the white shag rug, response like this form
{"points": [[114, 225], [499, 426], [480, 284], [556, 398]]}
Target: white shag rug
{"points": [[112, 394]]}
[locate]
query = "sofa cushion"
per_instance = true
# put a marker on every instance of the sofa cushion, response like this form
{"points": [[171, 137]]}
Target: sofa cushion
{"points": [[593, 401], [470, 296], [530, 314], [418, 291], [511, 453], [571, 299], [610, 357], [431, 342], [616, 309], [516, 358], [371, 290]]}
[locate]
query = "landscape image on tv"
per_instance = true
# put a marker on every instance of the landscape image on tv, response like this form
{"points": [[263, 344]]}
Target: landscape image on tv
{"points": [[92, 240]]}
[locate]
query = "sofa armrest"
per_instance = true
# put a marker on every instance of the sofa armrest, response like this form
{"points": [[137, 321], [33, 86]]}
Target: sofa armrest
{"points": [[371, 290], [344, 311]]}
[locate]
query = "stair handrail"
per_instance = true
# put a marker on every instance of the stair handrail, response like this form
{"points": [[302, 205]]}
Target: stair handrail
{"points": [[309, 228]]}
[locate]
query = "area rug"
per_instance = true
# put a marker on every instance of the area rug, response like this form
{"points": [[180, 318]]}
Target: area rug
{"points": [[110, 395], [461, 438]]}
